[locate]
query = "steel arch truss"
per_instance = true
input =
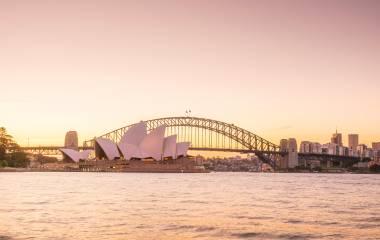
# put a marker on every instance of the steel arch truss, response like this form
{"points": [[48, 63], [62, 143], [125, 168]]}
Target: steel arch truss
{"points": [[188, 127]]}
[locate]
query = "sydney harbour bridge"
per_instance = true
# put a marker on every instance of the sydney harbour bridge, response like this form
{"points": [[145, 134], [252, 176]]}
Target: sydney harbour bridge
{"points": [[210, 135]]}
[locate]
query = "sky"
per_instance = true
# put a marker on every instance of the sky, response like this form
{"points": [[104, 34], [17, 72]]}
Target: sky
{"points": [[279, 69]]}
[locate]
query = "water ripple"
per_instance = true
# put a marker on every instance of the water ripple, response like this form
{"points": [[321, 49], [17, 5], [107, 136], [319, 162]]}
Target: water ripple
{"points": [[189, 206]]}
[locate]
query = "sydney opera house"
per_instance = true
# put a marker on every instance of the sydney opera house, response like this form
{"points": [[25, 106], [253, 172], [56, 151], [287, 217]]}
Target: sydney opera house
{"points": [[135, 144]]}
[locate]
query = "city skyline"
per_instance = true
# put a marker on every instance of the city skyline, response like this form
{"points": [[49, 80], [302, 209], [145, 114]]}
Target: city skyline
{"points": [[204, 120], [97, 67]]}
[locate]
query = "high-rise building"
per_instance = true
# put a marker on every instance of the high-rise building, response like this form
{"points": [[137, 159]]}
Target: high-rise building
{"points": [[376, 150], [290, 160], [305, 147], [310, 147], [292, 153], [376, 146], [337, 138], [330, 148], [316, 147], [362, 148], [284, 148], [353, 141], [71, 140]]}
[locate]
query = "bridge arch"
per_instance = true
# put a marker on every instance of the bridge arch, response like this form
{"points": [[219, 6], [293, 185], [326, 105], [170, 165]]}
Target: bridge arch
{"points": [[238, 138]]}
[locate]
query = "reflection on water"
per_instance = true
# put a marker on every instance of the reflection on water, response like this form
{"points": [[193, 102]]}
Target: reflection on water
{"points": [[189, 206]]}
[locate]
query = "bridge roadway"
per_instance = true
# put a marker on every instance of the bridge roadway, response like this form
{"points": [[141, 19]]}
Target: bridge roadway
{"points": [[325, 159], [54, 150], [343, 161], [48, 150]]}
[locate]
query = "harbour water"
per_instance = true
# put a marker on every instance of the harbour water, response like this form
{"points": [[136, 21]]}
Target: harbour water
{"points": [[189, 206]]}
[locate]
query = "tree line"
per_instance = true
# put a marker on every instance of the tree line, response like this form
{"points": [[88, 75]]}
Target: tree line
{"points": [[10, 153]]}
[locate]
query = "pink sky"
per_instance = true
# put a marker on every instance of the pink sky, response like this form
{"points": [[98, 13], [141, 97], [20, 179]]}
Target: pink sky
{"points": [[278, 68]]}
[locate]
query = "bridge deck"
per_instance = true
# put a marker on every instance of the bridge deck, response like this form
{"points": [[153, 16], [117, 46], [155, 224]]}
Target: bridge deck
{"points": [[308, 156]]}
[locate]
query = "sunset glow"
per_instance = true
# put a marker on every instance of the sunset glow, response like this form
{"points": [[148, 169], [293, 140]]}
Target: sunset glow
{"points": [[281, 69]]}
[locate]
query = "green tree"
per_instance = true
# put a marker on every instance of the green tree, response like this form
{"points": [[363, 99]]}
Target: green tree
{"points": [[10, 153], [17, 159], [4, 138], [3, 163], [7, 144], [45, 159]]}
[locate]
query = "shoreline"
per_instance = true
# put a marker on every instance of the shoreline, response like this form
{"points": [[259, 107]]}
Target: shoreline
{"points": [[23, 170]]}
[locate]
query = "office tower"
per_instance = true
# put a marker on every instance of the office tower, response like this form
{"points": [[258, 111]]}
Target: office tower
{"points": [[362, 148], [376, 146], [71, 140], [284, 148], [292, 153], [376, 150], [353, 141], [337, 138]]}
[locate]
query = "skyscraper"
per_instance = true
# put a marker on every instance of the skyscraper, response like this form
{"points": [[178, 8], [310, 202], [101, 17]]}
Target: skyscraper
{"points": [[284, 148], [71, 140], [292, 153], [353, 141], [337, 138], [376, 150], [376, 146]]}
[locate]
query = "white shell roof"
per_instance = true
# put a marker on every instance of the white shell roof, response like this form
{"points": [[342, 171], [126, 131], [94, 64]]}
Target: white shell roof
{"points": [[136, 143], [170, 146], [135, 134], [153, 143], [182, 148], [75, 155], [110, 148], [130, 151]]}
